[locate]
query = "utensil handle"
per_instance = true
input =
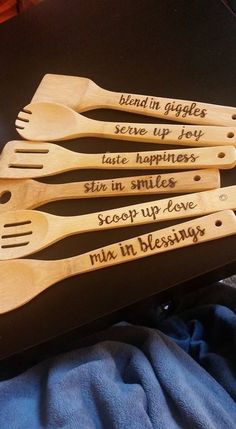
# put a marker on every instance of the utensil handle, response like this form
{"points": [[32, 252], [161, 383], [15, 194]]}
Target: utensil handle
{"points": [[196, 231], [191, 205], [206, 157], [47, 273], [189, 181], [183, 135], [192, 112]]}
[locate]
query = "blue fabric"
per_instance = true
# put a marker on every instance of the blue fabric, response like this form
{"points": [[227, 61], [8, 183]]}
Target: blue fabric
{"points": [[178, 374]]}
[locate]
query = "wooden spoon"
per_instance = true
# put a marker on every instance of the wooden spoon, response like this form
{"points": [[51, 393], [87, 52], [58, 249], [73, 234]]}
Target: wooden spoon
{"points": [[28, 194], [20, 159], [82, 94], [22, 280], [53, 122], [24, 232]]}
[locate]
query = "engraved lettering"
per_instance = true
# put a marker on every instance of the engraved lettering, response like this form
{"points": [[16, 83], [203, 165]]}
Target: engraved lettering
{"points": [[181, 110], [130, 130], [161, 132], [194, 135], [94, 186], [130, 100], [151, 212], [150, 243], [154, 104], [102, 256], [109, 219], [114, 160], [156, 182], [127, 249], [166, 157], [177, 207], [117, 186]]}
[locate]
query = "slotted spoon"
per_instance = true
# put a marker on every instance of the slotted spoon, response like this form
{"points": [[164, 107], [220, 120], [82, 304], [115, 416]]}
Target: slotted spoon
{"points": [[21, 160], [22, 280], [24, 232], [28, 194], [54, 122], [83, 94]]}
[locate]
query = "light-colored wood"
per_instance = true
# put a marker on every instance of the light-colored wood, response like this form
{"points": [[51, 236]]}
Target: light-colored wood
{"points": [[82, 94], [55, 122], [24, 232], [22, 280], [29, 194], [21, 160]]}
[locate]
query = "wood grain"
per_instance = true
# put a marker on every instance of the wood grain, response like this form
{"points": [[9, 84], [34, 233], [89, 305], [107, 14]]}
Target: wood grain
{"points": [[55, 122], [21, 159], [24, 232], [82, 94], [18, 194], [22, 280]]}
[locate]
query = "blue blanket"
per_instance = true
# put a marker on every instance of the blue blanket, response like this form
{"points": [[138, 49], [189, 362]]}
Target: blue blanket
{"points": [[179, 373]]}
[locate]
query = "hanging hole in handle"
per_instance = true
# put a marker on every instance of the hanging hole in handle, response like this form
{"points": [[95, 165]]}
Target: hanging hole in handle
{"points": [[221, 155], [234, 116], [218, 223], [197, 178], [230, 135], [5, 197]]}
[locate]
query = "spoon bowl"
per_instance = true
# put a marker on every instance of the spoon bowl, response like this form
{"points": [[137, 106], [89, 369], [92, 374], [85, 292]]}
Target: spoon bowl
{"points": [[17, 279], [22, 280]]}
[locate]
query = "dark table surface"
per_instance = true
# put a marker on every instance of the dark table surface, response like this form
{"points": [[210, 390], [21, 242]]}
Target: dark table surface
{"points": [[177, 49]]}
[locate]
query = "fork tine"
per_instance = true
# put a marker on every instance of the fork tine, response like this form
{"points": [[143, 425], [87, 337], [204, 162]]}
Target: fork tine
{"points": [[20, 124], [24, 116], [27, 110]]}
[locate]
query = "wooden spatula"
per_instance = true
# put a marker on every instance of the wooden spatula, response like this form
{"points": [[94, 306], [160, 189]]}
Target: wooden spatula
{"points": [[83, 94], [54, 122], [22, 280], [18, 194], [20, 159], [24, 232]]}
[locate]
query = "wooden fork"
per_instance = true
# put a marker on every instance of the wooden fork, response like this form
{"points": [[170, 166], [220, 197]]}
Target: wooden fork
{"points": [[21, 160], [22, 280], [24, 232], [28, 194], [82, 94], [54, 122]]}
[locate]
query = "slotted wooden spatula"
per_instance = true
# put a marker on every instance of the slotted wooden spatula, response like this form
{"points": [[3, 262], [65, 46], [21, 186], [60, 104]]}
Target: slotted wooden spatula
{"points": [[24, 232], [21, 160], [54, 122], [83, 94], [22, 280], [18, 194]]}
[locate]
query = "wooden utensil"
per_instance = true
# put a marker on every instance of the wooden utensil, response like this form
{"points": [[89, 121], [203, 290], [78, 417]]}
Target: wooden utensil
{"points": [[28, 194], [82, 94], [54, 122], [22, 280], [24, 232], [20, 159]]}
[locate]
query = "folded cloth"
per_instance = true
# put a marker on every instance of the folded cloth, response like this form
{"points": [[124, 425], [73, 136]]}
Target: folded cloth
{"points": [[134, 377], [208, 334]]}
